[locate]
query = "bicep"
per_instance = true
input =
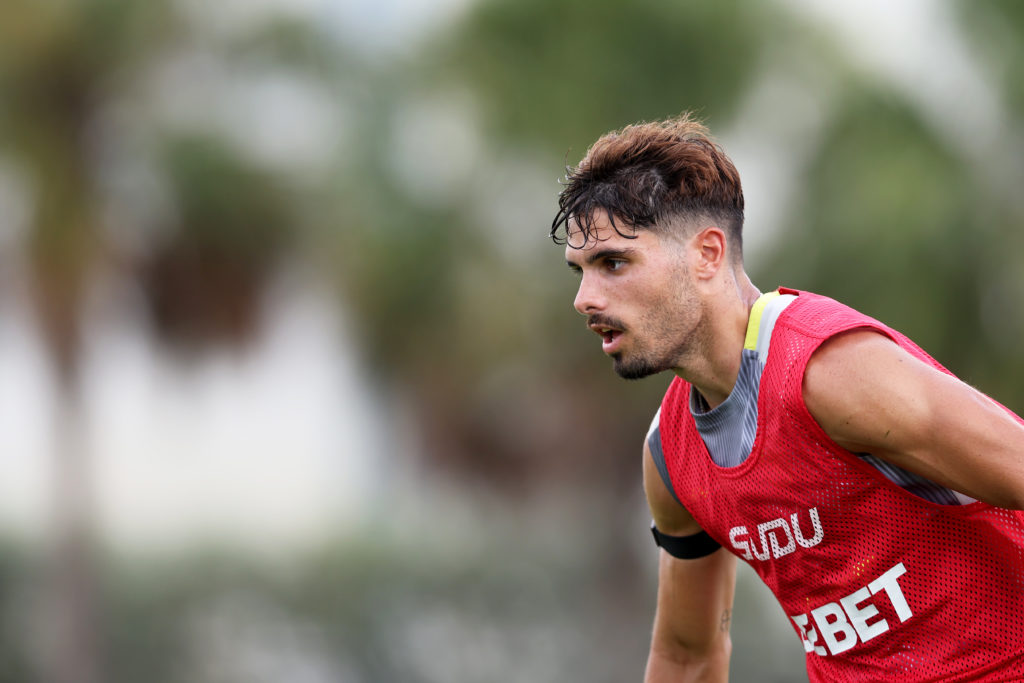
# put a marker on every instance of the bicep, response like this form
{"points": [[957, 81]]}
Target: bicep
{"points": [[870, 395]]}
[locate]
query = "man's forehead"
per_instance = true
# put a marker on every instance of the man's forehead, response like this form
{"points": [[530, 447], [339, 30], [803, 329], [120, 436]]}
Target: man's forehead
{"points": [[609, 241], [582, 241], [598, 226]]}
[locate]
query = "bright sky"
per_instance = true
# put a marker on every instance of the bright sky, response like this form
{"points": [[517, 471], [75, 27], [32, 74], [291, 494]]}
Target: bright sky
{"points": [[274, 448]]}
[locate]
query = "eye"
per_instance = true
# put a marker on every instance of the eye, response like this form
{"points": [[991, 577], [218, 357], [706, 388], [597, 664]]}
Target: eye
{"points": [[614, 264]]}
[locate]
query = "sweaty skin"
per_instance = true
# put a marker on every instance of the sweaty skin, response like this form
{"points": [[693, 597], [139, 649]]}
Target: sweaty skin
{"points": [[871, 396], [655, 294]]}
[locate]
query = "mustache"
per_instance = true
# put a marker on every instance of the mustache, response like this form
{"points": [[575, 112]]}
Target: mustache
{"points": [[605, 321]]}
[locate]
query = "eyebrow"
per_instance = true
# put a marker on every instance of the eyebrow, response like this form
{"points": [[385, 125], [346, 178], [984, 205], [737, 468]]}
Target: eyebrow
{"points": [[601, 254]]}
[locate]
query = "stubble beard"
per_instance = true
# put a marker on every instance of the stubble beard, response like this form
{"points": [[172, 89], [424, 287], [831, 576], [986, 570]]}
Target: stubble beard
{"points": [[644, 363], [636, 368]]}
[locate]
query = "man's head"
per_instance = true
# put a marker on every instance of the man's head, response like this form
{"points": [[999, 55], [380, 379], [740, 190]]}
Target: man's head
{"points": [[651, 222], [668, 177]]}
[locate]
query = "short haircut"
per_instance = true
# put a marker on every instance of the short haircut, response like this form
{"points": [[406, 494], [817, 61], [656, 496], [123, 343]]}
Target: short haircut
{"points": [[649, 176]]}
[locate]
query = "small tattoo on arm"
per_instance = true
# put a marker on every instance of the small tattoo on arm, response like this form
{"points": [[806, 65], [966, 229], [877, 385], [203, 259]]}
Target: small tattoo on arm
{"points": [[724, 625]]}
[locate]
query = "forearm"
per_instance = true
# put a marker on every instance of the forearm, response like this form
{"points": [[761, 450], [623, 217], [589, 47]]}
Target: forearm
{"points": [[690, 639], [694, 648], [664, 666]]}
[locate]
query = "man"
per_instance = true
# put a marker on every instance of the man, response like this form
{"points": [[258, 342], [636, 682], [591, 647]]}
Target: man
{"points": [[876, 495]]}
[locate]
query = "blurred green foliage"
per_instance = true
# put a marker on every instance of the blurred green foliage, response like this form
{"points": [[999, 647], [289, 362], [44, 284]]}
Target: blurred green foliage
{"points": [[892, 228], [996, 28], [892, 219], [204, 279], [559, 74]]}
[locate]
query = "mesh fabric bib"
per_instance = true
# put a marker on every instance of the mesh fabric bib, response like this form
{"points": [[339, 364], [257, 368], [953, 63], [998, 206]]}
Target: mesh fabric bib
{"points": [[879, 584]]}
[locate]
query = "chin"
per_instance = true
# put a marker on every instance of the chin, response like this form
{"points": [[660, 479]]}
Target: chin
{"points": [[636, 369]]}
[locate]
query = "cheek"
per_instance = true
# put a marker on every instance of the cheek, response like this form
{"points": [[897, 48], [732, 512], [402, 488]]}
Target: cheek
{"points": [[670, 304], [656, 306], [669, 291]]}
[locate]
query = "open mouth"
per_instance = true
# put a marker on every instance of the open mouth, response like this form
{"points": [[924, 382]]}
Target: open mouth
{"points": [[611, 340], [610, 337]]}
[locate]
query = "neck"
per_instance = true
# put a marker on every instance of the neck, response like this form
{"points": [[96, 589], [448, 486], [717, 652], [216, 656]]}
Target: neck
{"points": [[717, 365]]}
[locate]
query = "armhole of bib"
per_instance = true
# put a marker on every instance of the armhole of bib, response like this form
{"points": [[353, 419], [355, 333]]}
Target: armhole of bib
{"points": [[658, 454]]}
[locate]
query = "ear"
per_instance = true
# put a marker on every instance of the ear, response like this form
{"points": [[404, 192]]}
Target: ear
{"points": [[709, 252]]}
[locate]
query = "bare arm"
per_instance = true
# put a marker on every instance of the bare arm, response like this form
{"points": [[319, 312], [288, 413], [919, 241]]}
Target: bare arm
{"points": [[691, 624], [871, 396]]}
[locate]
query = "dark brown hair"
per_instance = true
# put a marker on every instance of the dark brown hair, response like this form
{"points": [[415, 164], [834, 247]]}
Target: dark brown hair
{"points": [[645, 176]]}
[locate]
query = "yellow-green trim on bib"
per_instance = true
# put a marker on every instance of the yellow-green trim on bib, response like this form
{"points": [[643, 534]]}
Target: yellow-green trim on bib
{"points": [[754, 323]]}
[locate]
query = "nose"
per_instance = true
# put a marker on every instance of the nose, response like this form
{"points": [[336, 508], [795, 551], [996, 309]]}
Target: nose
{"points": [[588, 298]]}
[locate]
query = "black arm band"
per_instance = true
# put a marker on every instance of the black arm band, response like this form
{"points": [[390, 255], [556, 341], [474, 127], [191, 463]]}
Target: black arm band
{"points": [[686, 547]]}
